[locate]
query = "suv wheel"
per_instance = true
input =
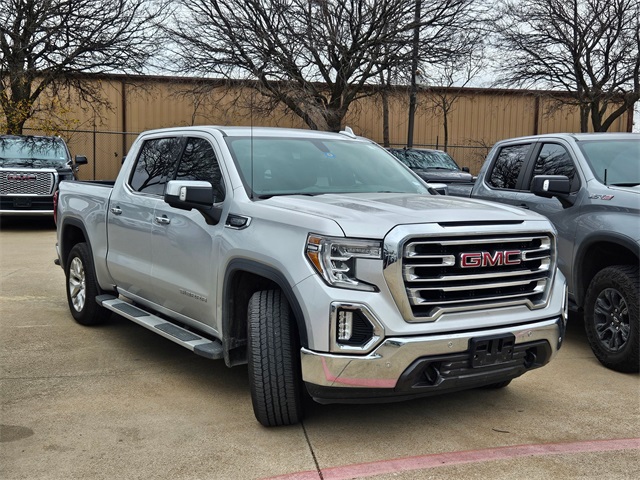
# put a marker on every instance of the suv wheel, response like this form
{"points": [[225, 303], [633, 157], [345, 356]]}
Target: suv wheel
{"points": [[611, 317], [274, 360]]}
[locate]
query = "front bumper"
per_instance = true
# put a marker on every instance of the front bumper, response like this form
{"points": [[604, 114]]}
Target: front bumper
{"points": [[401, 368], [24, 205]]}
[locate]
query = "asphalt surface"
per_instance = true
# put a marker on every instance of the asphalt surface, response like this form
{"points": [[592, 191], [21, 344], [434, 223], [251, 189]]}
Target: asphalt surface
{"points": [[117, 401]]}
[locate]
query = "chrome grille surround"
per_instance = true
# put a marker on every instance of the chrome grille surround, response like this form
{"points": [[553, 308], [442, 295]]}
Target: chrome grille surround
{"points": [[422, 268], [27, 182]]}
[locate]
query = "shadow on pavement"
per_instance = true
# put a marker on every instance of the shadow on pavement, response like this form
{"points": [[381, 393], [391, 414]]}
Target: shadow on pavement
{"points": [[27, 223]]}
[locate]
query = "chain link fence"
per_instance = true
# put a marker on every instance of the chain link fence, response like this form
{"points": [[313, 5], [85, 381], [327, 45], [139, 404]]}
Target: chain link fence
{"points": [[105, 151]]}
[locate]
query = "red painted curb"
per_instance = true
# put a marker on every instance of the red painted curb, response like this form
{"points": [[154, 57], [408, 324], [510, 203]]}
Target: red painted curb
{"points": [[457, 458]]}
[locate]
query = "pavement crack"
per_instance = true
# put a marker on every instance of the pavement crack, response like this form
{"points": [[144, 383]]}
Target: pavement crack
{"points": [[313, 453]]}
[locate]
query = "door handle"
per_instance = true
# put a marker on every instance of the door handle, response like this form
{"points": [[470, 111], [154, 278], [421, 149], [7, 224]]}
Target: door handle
{"points": [[163, 220], [524, 205], [116, 210]]}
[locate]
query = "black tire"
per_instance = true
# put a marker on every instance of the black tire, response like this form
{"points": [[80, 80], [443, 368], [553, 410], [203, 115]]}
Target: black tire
{"points": [[82, 287], [611, 317], [274, 360]]}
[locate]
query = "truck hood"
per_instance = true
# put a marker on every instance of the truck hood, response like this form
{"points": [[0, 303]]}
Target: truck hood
{"points": [[372, 215]]}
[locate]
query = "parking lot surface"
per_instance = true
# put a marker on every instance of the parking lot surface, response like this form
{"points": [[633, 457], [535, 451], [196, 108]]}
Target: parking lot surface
{"points": [[117, 401]]}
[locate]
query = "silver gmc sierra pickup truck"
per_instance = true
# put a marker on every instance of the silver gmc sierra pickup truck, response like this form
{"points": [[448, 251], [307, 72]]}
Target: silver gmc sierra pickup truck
{"points": [[316, 258]]}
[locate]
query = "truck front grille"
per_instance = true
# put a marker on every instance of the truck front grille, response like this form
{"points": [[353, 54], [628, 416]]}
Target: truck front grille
{"points": [[455, 274], [26, 182]]}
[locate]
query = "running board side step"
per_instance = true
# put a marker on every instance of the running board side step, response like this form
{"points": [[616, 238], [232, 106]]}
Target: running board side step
{"points": [[204, 347]]}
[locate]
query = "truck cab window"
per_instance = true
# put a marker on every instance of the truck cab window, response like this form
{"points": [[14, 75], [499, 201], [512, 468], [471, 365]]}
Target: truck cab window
{"points": [[155, 164], [554, 159], [507, 166]]}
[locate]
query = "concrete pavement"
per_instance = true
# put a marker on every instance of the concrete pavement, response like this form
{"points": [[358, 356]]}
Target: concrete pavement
{"points": [[117, 401]]}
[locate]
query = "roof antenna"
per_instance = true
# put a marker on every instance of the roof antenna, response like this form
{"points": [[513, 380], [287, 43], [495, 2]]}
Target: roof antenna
{"points": [[348, 132]]}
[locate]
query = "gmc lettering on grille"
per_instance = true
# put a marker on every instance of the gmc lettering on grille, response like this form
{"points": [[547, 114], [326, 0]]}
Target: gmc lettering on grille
{"points": [[488, 259], [18, 176]]}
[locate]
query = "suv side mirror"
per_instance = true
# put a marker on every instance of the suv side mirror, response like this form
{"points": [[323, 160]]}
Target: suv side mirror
{"points": [[550, 186], [190, 194], [80, 160], [465, 169]]}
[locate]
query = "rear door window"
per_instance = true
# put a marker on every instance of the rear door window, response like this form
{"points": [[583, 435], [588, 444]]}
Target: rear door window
{"points": [[508, 165]]}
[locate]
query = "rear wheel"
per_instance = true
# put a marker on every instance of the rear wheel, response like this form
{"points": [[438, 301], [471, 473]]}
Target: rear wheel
{"points": [[274, 360], [82, 287], [611, 317]]}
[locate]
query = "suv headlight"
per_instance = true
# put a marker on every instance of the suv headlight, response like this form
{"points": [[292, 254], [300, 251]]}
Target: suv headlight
{"points": [[335, 259]]}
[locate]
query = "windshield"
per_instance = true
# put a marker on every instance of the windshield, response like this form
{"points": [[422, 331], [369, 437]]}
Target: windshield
{"points": [[425, 159], [614, 162], [313, 166], [32, 152]]}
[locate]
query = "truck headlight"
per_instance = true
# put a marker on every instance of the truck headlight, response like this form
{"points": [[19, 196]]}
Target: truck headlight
{"points": [[335, 259]]}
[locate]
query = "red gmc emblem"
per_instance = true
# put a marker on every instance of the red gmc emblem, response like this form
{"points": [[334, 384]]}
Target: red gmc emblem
{"points": [[488, 259], [18, 176]]}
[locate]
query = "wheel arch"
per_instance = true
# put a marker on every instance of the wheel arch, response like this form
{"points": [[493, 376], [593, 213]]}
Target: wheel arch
{"points": [[242, 279], [600, 251], [72, 232]]}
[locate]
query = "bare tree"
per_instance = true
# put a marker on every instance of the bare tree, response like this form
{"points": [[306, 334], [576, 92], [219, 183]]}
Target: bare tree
{"points": [[316, 57], [444, 84], [444, 34], [49, 45], [590, 48]]}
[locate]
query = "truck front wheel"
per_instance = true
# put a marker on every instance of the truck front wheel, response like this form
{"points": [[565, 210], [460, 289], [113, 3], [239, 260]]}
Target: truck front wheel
{"points": [[611, 317], [274, 360], [82, 287]]}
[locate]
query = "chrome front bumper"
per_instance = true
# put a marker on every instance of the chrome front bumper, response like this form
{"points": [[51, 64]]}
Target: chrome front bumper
{"points": [[384, 367]]}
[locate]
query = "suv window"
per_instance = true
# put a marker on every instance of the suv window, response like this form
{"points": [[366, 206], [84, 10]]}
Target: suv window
{"points": [[199, 163], [554, 159], [155, 165], [507, 166]]}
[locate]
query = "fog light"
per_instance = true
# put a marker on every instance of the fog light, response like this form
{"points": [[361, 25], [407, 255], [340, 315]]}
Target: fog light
{"points": [[345, 325]]}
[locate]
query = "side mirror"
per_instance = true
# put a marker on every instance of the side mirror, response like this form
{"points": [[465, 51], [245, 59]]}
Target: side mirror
{"points": [[80, 160], [438, 188], [194, 194], [465, 169], [550, 186]]}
